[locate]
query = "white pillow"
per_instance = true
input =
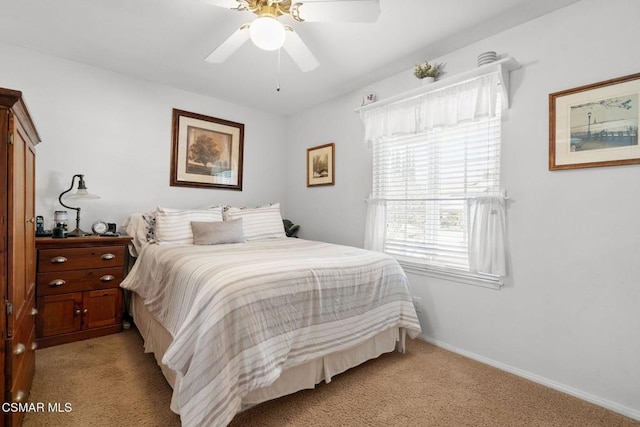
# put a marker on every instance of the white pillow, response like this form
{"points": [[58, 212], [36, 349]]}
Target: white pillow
{"points": [[174, 226], [259, 223], [136, 227]]}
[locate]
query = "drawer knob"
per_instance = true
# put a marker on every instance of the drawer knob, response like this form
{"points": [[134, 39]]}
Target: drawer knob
{"points": [[85, 311], [20, 395], [78, 312], [34, 311], [20, 348], [107, 278], [34, 346], [57, 282], [58, 260], [107, 257]]}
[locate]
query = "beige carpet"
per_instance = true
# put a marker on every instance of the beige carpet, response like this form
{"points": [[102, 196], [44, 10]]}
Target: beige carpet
{"points": [[110, 382]]}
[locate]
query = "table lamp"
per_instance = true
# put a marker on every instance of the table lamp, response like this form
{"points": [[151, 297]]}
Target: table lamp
{"points": [[80, 194]]}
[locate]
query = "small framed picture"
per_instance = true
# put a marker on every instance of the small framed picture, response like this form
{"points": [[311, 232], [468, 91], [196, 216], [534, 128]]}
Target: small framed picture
{"points": [[206, 151], [595, 125], [321, 165]]}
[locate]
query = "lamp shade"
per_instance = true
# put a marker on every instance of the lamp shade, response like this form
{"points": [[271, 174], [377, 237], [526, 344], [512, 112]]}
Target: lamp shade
{"points": [[267, 33], [81, 193]]}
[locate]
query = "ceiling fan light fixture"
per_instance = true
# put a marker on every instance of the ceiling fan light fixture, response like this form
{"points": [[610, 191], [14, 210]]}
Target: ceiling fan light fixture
{"points": [[267, 33]]}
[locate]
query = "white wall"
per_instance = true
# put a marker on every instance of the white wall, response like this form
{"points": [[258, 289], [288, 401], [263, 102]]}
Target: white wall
{"points": [[329, 213], [116, 130], [569, 315]]}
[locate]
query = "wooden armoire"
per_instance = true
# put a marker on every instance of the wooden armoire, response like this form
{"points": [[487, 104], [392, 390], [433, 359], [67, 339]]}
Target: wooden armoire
{"points": [[18, 137]]}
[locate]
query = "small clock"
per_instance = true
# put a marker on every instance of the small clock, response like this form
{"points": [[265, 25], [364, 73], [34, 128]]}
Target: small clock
{"points": [[99, 227]]}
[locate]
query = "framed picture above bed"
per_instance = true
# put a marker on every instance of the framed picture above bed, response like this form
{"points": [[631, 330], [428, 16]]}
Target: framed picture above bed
{"points": [[321, 165], [595, 125], [206, 151]]}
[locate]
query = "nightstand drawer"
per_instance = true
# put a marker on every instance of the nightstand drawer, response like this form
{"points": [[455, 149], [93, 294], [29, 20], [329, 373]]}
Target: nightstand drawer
{"points": [[63, 259], [78, 280]]}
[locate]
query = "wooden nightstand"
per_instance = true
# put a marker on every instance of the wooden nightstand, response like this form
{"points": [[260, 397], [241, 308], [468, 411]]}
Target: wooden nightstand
{"points": [[77, 287]]}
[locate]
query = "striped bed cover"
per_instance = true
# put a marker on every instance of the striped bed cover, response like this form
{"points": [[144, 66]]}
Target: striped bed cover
{"points": [[242, 313]]}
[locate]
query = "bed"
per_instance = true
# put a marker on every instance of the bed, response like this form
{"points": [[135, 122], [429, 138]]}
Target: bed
{"points": [[235, 324]]}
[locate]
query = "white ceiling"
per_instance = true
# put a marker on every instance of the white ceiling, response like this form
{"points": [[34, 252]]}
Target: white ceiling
{"points": [[165, 41]]}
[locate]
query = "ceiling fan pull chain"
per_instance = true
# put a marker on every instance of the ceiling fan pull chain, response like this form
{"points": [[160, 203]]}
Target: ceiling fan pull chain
{"points": [[278, 74]]}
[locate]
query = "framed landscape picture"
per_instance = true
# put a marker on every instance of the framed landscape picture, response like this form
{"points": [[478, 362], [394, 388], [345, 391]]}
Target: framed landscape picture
{"points": [[320, 165], [206, 151], [595, 125]]}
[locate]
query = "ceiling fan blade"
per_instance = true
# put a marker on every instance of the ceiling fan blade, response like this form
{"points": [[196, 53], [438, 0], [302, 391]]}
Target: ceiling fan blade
{"points": [[229, 4], [299, 52], [337, 10], [230, 45]]}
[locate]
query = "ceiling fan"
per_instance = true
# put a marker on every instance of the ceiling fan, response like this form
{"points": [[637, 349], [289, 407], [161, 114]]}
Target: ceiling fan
{"points": [[268, 33]]}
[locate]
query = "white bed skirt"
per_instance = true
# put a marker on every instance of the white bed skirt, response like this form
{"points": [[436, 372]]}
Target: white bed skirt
{"points": [[157, 339]]}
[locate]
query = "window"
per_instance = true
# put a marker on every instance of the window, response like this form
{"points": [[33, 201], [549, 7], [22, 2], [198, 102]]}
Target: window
{"points": [[428, 172], [426, 180]]}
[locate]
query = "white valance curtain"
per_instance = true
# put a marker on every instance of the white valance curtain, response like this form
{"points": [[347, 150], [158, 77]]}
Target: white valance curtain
{"points": [[443, 107], [416, 115]]}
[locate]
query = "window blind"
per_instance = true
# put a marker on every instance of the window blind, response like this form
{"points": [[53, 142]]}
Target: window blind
{"points": [[426, 179]]}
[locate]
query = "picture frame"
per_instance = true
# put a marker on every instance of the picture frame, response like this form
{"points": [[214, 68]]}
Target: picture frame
{"points": [[595, 125], [206, 152], [321, 165]]}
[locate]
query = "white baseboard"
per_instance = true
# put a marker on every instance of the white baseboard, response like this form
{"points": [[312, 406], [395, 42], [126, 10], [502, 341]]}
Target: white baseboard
{"points": [[615, 407]]}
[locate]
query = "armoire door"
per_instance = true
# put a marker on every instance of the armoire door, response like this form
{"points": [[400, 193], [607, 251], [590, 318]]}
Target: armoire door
{"points": [[19, 264], [4, 156], [21, 258]]}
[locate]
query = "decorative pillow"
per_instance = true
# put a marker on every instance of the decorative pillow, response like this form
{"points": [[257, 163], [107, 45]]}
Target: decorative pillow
{"points": [[259, 223], [150, 220], [174, 226], [217, 233]]}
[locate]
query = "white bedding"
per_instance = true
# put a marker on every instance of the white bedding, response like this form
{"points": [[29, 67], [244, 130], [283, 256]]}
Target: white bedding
{"points": [[300, 377], [240, 314]]}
